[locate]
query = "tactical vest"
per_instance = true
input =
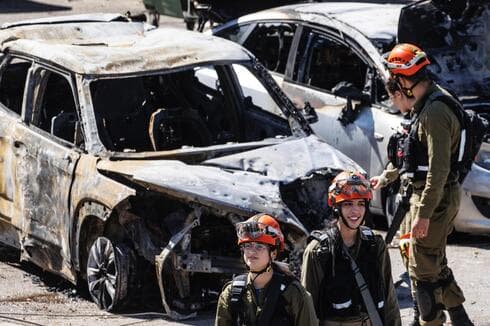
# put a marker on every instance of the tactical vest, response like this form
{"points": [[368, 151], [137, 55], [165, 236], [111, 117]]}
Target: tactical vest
{"points": [[407, 153], [339, 294], [274, 301]]}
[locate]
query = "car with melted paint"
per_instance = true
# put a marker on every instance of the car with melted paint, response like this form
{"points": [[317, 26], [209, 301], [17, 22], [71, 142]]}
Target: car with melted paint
{"points": [[122, 166], [329, 54]]}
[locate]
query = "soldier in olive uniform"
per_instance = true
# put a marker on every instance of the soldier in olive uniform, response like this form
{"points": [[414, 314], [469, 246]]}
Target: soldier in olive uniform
{"points": [[327, 271], [429, 150], [268, 294]]}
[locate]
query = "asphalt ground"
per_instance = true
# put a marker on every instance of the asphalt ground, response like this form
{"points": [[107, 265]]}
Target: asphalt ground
{"points": [[30, 296]]}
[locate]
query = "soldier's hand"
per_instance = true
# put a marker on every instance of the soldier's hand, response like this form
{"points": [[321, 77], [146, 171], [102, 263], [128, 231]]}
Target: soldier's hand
{"points": [[420, 227], [376, 182]]}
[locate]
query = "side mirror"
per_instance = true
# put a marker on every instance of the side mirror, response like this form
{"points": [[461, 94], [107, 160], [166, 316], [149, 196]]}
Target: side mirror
{"points": [[349, 91], [349, 112], [309, 113]]}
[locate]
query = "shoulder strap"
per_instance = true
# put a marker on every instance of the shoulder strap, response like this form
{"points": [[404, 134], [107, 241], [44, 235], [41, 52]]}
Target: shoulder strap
{"points": [[364, 289], [237, 288], [318, 235], [279, 283], [367, 234]]}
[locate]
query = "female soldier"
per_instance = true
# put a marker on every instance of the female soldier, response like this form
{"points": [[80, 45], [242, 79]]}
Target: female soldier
{"points": [[268, 294], [344, 251]]}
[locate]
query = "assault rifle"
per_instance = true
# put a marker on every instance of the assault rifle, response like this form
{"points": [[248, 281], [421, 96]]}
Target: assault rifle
{"points": [[401, 210]]}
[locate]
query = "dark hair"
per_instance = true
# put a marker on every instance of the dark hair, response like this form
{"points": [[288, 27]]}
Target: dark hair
{"points": [[421, 75], [392, 85]]}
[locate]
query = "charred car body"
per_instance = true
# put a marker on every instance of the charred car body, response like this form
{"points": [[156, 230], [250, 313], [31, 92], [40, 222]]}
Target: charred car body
{"points": [[118, 159], [329, 54]]}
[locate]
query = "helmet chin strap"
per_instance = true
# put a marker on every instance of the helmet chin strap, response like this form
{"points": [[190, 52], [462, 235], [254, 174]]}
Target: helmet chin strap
{"points": [[408, 91], [268, 268]]}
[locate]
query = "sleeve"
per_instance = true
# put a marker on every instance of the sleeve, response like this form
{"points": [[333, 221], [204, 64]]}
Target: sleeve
{"points": [[391, 307], [389, 175], [312, 272], [436, 126], [300, 305], [223, 311]]}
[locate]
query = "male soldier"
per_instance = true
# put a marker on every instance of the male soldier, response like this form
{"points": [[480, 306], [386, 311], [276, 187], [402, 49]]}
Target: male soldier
{"points": [[431, 145]]}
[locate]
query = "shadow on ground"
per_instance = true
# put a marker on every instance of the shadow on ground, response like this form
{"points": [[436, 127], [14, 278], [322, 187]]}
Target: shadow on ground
{"points": [[21, 6]]}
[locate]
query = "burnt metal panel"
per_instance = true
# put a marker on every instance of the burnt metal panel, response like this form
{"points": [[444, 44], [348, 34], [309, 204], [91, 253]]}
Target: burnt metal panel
{"points": [[44, 175], [118, 48], [244, 183], [457, 41]]}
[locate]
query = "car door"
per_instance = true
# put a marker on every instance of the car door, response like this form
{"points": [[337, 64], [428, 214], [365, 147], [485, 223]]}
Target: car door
{"points": [[47, 154], [327, 71], [13, 75], [322, 65]]}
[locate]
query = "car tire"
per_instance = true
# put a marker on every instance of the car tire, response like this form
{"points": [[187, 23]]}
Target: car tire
{"points": [[109, 268]]}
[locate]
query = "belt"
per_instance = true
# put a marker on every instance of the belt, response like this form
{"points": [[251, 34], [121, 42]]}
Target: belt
{"points": [[362, 321]]}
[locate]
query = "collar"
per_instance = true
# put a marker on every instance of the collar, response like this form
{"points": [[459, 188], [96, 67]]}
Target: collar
{"points": [[417, 107]]}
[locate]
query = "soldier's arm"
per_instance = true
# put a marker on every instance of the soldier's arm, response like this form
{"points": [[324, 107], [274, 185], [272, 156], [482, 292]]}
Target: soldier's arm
{"points": [[223, 311], [312, 272], [389, 175]]}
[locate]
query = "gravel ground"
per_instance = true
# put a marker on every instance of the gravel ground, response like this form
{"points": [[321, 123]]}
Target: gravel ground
{"points": [[29, 296]]}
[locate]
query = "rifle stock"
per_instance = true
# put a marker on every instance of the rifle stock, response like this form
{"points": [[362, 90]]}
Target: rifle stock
{"points": [[401, 210]]}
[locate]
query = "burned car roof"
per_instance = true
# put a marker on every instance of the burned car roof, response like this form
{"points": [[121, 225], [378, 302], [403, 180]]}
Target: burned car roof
{"points": [[350, 13], [117, 47]]}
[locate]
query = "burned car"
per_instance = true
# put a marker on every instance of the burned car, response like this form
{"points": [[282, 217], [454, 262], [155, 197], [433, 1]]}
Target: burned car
{"points": [[119, 158], [329, 54]]}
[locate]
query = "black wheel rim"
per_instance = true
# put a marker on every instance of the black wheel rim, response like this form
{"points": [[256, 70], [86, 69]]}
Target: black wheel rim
{"points": [[102, 273]]}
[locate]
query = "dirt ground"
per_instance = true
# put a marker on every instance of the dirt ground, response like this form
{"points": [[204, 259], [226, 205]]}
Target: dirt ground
{"points": [[30, 297]]}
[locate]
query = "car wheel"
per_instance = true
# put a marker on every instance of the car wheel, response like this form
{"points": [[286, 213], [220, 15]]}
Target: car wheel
{"points": [[108, 273]]}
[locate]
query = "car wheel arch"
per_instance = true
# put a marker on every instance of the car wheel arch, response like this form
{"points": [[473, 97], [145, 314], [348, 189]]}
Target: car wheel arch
{"points": [[89, 223]]}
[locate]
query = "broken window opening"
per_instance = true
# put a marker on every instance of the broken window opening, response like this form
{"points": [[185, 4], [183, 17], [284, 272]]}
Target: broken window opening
{"points": [[55, 108], [328, 63], [198, 107], [12, 83], [271, 44]]}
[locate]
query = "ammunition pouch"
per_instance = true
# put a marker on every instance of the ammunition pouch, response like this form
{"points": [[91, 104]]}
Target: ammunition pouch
{"points": [[395, 149]]}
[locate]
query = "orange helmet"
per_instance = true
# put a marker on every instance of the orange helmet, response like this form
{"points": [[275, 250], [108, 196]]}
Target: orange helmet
{"points": [[348, 185], [405, 59], [260, 228]]}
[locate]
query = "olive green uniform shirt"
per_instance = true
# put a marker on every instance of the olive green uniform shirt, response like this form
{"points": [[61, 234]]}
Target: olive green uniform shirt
{"points": [[439, 132], [299, 305], [312, 274]]}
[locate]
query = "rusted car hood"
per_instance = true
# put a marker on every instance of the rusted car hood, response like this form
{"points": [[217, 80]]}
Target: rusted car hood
{"points": [[247, 181], [457, 37]]}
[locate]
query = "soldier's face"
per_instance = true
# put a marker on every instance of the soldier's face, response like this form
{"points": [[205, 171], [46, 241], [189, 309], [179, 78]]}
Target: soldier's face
{"points": [[400, 101], [353, 211], [256, 255]]}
